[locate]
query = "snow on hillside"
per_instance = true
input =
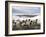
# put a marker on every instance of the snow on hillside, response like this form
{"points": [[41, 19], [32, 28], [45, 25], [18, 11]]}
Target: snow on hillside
{"points": [[24, 18]]}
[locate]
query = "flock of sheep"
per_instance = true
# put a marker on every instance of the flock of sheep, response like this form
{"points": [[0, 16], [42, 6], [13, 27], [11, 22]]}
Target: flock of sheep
{"points": [[25, 24]]}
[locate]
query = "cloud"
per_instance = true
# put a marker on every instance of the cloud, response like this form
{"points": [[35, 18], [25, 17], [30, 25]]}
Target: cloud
{"points": [[26, 10]]}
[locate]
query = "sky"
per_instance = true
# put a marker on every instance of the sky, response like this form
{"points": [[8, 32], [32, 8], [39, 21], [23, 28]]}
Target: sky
{"points": [[19, 10]]}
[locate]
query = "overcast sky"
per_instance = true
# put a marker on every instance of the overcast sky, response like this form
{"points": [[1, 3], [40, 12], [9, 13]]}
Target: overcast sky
{"points": [[26, 10]]}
